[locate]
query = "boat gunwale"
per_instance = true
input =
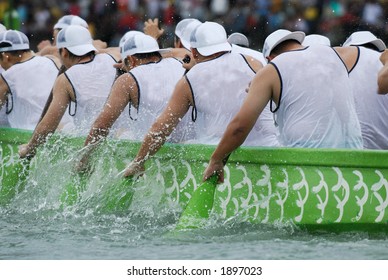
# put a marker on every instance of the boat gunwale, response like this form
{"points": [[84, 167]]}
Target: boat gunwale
{"points": [[244, 155]]}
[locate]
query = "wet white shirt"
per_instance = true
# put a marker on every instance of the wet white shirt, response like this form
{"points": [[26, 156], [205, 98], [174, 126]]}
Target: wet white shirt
{"points": [[92, 82], [219, 89], [155, 82], [316, 108], [371, 108], [30, 83]]}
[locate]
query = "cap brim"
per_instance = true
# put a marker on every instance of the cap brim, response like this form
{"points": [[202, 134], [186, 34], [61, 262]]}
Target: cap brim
{"points": [[296, 35], [16, 47], [161, 51], [81, 49], [379, 44], [209, 50], [185, 43], [60, 26]]}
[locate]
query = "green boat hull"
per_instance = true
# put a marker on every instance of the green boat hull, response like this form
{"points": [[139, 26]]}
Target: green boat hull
{"points": [[326, 189]]}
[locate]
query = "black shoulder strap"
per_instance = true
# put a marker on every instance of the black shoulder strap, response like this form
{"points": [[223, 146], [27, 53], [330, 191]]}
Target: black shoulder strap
{"points": [[194, 110], [8, 110]]}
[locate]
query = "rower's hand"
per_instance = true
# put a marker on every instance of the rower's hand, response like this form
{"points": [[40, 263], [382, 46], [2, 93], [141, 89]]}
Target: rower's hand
{"points": [[134, 169], [214, 167], [43, 44], [98, 44], [25, 152], [151, 28], [83, 166]]}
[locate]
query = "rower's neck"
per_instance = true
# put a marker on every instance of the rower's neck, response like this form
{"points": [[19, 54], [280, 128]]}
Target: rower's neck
{"points": [[25, 56], [212, 56], [86, 58]]}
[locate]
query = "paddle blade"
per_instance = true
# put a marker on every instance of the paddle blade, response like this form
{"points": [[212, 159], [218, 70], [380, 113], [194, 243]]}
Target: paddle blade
{"points": [[119, 195], [13, 179], [199, 206], [73, 189]]}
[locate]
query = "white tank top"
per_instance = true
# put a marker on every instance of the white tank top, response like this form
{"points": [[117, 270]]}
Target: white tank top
{"points": [[316, 108], [30, 83], [371, 108], [92, 82], [219, 89], [155, 82]]}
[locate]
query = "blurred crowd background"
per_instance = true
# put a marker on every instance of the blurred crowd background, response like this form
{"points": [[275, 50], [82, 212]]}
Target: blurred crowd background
{"points": [[110, 19]]}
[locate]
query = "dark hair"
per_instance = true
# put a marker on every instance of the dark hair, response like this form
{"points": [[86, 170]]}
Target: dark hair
{"points": [[147, 55], [14, 53], [370, 46], [280, 48], [18, 52]]}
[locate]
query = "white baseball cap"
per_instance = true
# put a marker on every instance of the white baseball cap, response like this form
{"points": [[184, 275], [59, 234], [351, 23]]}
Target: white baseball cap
{"points": [[209, 38], [76, 39], [364, 37], [13, 40], [279, 36], [139, 43], [70, 20], [239, 39], [127, 35], [316, 39], [184, 28]]}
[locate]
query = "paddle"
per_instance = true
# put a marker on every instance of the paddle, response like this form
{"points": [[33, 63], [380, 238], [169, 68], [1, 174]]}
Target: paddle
{"points": [[118, 196], [72, 190], [13, 179], [200, 205], [13, 169]]}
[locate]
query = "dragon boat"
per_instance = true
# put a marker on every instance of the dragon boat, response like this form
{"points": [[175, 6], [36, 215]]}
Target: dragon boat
{"points": [[315, 189]]}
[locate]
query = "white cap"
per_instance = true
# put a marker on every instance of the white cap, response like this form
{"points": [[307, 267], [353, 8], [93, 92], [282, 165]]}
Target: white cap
{"points": [[316, 39], [184, 28], [70, 20], [364, 37], [209, 38], [239, 39], [76, 39], [128, 35], [13, 40], [139, 43], [279, 36]]}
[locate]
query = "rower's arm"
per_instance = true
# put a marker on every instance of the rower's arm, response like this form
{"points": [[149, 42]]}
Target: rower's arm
{"points": [[382, 78], [175, 110], [51, 120], [123, 90]]}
